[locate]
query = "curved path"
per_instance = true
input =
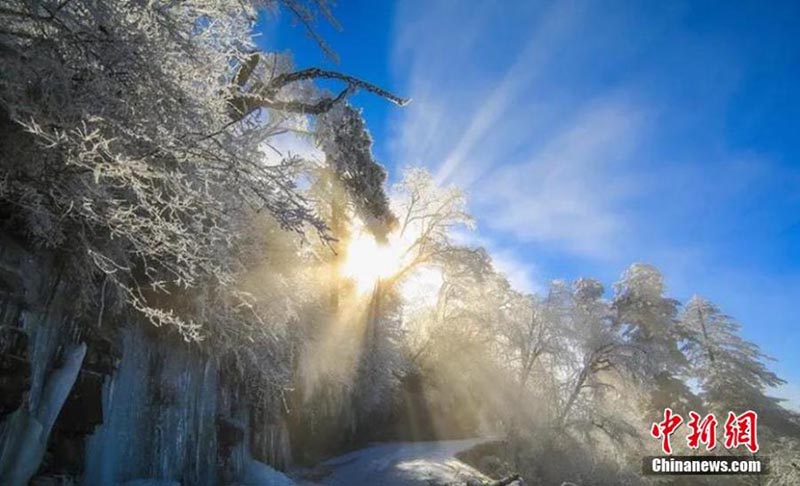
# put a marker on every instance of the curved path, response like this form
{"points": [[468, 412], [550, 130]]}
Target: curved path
{"points": [[400, 464]]}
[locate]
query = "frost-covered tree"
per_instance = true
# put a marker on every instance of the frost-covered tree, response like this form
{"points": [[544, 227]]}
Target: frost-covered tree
{"points": [[456, 331], [343, 137], [427, 215], [731, 372], [605, 368], [456, 364], [528, 330], [648, 321], [576, 384], [784, 466], [348, 370], [135, 140], [137, 145]]}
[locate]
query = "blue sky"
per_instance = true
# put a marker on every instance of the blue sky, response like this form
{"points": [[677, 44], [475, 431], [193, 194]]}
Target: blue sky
{"points": [[591, 135]]}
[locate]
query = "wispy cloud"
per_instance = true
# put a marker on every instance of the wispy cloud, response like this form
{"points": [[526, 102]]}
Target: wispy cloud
{"points": [[571, 191], [542, 170]]}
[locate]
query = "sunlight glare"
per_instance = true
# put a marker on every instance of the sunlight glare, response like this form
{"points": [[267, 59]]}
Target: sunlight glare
{"points": [[368, 261]]}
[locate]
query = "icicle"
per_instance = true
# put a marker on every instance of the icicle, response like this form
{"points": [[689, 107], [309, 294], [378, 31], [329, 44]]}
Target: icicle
{"points": [[27, 432], [159, 417]]}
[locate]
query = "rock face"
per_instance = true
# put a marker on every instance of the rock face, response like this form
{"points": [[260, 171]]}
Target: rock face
{"points": [[142, 406], [15, 371]]}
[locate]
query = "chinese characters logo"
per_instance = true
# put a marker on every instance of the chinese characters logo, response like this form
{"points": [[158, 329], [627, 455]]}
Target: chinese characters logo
{"points": [[739, 430]]}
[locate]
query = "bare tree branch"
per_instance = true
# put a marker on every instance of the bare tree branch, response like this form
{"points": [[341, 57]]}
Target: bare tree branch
{"points": [[265, 96]]}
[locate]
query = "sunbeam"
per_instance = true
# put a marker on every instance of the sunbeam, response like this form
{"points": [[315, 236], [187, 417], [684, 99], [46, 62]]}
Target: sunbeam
{"points": [[368, 261]]}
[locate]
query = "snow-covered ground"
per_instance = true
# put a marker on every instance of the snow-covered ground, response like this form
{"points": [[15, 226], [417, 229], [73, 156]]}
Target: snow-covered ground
{"points": [[400, 464]]}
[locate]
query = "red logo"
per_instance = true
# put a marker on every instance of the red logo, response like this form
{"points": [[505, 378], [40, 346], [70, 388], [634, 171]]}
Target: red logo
{"points": [[666, 428], [703, 431], [740, 430]]}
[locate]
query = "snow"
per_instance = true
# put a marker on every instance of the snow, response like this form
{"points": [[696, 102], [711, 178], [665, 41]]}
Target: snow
{"points": [[259, 474], [403, 464]]}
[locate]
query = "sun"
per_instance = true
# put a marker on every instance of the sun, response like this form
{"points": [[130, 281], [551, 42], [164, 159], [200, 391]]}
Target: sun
{"points": [[368, 261]]}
